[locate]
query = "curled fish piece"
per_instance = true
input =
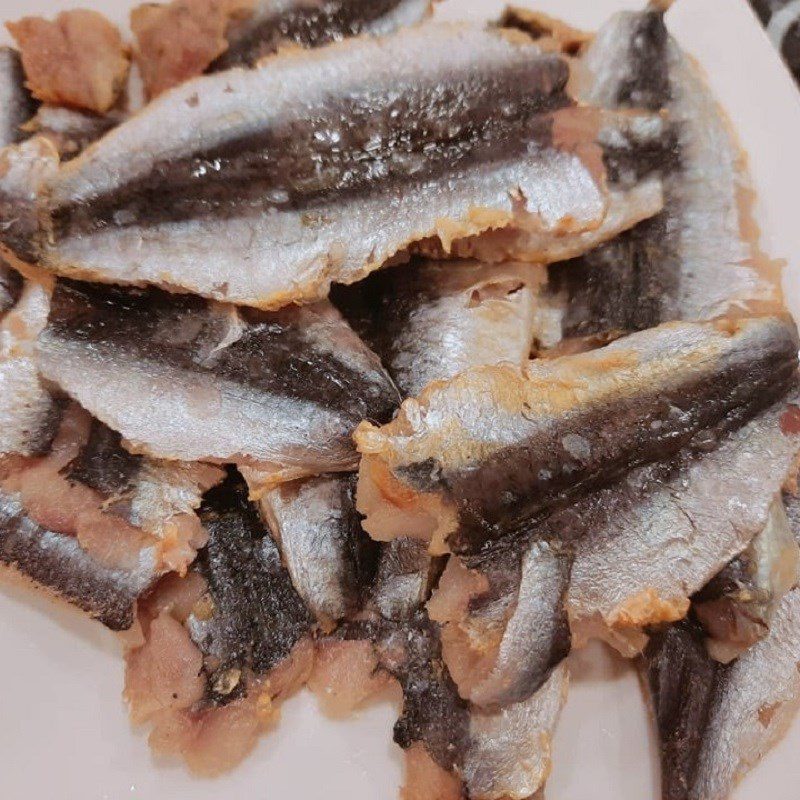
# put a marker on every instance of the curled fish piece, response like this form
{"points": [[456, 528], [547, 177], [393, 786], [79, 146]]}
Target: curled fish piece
{"points": [[698, 258], [736, 606], [716, 721], [263, 204], [495, 446], [432, 319], [96, 525], [215, 383], [504, 623], [16, 104], [644, 547], [331, 561], [223, 646]]}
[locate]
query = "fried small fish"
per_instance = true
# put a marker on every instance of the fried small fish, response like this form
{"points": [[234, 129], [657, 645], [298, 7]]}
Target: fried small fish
{"points": [[699, 257], [222, 646], [263, 204], [433, 319], [331, 561], [644, 547], [209, 382], [96, 525], [716, 721], [476, 457]]}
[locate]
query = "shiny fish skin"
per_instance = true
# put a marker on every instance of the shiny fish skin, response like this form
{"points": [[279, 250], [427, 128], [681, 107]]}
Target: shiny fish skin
{"points": [[521, 443], [697, 259], [432, 319], [644, 547], [29, 415], [209, 382], [176, 221], [717, 721], [95, 525], [331, 561], [16, 104], [504, 623], [275, 23], [404, 579], [58, 562]]}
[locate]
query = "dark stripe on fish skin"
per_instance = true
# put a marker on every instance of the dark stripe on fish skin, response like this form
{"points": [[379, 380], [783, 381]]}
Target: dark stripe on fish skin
{"points": [[647, 85], [103, 464], [372, 140], [10, 287], [40, 441], [18, 106], [634, 161], [273, 355], [627, 285], [308, 26], [683, 681], [57, 562], [523, 483], [502, 567], [258, 616]]}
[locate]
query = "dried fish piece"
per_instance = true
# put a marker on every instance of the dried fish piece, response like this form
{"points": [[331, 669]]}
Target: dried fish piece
{"points": [[96, 525], [698, 258], [272, 24], [430, 320], [77, 60], [645, 546], [717, 721], [504, 623], [16, 103], [331, 561], [223, 646], [496, 446], [736, 606], [335, 175], [210, 382]]}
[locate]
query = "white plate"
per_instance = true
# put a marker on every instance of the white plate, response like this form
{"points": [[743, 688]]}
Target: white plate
{"points": [[64, 734]]}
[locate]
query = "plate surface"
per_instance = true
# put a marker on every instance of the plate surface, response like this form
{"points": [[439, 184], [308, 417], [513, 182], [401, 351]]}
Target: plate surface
{"points": [[64, 733]]}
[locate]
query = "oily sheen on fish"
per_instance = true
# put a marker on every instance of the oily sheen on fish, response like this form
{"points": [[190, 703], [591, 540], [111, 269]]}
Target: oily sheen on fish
{"points": [[96, 525], [473, 457], [698, 258], [266, 203], [201, 381], [645, 546], [311, 23]]}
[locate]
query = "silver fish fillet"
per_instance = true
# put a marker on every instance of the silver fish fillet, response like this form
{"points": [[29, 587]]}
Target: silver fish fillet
{"points": [[266, 203], [222, 646], [96, 525], [311, 23], [331, 561], [644, 547], [186, 379], [699, 257], [17, 105], [476, 457], [736, 606], [504, 624], [403, 580], [717, 721], [28, 412], [433, 319]]}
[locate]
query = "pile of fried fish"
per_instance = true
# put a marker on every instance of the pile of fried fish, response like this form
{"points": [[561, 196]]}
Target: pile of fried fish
{"points": [[374, 350]]}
